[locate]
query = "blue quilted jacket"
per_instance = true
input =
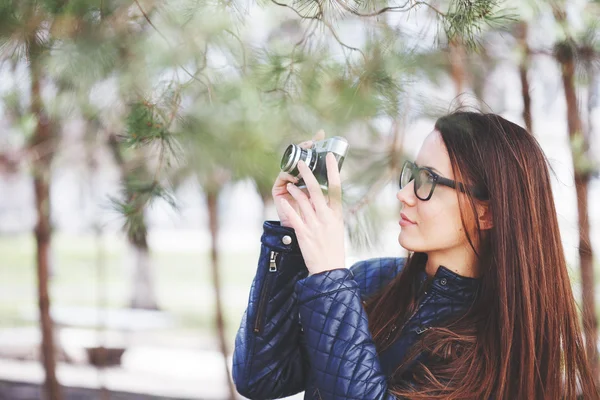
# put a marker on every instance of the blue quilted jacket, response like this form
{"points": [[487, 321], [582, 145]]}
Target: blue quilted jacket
{"points": [[311, 334]]}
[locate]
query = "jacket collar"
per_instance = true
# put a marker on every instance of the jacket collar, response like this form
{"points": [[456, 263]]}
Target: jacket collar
{"points": [[450, 283], [444, 294]]}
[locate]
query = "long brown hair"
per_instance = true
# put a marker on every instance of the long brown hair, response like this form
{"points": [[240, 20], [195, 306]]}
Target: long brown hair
{"points": [[521, 339]]}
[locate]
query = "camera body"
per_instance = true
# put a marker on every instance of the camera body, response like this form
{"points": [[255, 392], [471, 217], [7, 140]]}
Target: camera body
{"points": [[314, 157]]}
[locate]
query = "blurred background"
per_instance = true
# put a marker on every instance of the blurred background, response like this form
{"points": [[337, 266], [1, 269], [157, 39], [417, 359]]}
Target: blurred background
{"points": [[139, 141]]}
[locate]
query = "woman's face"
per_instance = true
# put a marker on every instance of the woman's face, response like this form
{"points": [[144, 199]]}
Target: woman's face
{"points": [[438, 225]]}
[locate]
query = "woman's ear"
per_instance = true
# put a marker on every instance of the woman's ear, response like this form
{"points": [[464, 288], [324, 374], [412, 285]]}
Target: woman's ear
{"points": [[484, 215]]}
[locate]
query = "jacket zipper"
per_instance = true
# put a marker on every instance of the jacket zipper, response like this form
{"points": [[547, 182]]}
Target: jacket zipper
{"points": [[421, 301], [425, 289], [317, 393], [259, 323]]}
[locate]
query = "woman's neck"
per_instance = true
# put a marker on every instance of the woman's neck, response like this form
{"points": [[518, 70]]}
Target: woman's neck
{"points": [[460, 260]]}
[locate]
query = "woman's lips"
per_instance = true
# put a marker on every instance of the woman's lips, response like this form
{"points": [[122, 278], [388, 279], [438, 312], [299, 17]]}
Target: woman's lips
{"points": [[404, 221]]}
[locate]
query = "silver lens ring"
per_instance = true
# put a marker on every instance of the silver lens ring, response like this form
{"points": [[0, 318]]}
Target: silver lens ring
{"points": [[292, 160], [309, 153]]}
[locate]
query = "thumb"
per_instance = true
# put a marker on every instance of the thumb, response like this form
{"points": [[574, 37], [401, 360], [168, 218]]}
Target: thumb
{"points": [[320, 135]]}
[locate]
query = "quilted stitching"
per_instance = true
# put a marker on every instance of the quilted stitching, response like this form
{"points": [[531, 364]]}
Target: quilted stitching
{"points": [[374, 274], [340, 347], [315, 335]]}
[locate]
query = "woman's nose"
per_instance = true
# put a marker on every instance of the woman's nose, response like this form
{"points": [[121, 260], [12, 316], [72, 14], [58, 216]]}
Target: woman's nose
{"points": [[406, 195]]}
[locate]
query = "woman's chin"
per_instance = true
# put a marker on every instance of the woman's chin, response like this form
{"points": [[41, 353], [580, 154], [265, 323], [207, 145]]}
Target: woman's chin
{"points": [[405, 243]]}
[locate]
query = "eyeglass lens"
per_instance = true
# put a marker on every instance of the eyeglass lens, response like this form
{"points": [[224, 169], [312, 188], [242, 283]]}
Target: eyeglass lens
{"points": [[423, 180]]}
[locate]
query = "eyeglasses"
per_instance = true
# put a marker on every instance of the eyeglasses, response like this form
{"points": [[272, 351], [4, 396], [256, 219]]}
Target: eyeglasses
{"points": [[426, 180]]}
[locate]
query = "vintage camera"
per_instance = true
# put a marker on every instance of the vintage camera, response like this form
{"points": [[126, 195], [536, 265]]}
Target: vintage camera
{"points": [[314, 158]]}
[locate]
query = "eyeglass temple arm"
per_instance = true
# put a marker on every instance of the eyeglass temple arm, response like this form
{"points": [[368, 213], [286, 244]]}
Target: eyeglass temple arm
{"points": [[480, 194]]}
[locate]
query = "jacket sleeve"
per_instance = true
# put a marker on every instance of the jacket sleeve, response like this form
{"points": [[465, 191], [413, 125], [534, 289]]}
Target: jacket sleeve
{"points": [[268, 360], [339, 344], [374, 274]]}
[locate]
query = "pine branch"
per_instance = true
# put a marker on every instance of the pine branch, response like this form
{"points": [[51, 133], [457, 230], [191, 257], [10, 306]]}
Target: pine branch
{"points": [[463, 21], [184, 69], [147, 125], [336, 37], [242, 46], [294, 10], [147, 18], [402, 8]]}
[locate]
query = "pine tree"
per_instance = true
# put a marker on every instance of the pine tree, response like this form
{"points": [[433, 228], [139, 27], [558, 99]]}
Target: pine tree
{"points": [[176, 107], [569, 53], [22, 26]]}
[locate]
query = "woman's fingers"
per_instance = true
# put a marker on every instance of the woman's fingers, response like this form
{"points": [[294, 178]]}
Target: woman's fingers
{"points": [[320, 135], [314, 188], [292, 215], [288, 177], [282, 179], [334, 184], [303, 202]]}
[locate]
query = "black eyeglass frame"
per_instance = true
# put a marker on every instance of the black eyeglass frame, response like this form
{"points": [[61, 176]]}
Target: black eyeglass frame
{"points": [[478, 193]]}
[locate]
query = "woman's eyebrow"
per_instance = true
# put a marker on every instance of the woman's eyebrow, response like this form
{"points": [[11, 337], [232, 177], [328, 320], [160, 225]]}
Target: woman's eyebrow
{"points": [[431, 168], [436, 170]]}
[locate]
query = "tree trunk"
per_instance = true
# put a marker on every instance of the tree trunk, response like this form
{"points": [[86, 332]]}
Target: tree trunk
{"points": [[143, 295], [457, 66], [211, 201], [522, 30], [593, 98], [566, 57], [42, 150]]}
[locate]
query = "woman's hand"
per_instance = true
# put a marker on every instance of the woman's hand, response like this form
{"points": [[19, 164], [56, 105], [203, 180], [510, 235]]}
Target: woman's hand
{"points": [[280, 190], [320, 233]]}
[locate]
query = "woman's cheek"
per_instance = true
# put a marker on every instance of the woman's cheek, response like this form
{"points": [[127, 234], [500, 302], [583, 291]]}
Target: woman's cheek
{"points": [[439, 227]]}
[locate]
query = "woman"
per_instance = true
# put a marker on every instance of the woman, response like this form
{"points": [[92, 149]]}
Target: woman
{"points": [[481, 308]]}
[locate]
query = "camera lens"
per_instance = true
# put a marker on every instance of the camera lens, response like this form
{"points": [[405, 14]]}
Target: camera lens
{"points": [[288, 157], [294, 153]]}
